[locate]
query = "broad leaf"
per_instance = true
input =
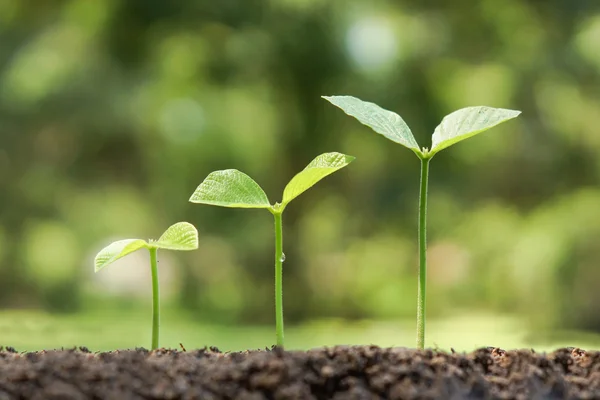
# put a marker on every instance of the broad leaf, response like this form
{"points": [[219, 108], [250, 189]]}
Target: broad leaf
{"points": [[467, 122], [384, 122], [181, 236], [230, 188], [116, 250], [319, 168]]}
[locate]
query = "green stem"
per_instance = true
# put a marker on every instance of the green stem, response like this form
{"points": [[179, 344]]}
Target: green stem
{"points": [[422, 289], [155, 298], [278, 278]]}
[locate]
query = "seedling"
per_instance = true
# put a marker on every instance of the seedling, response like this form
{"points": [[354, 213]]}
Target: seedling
{"points": [[181, 236], [232, 188], [455, 127]]}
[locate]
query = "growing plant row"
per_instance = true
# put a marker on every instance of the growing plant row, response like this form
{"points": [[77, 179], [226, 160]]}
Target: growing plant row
{"points": [[232, 188]]}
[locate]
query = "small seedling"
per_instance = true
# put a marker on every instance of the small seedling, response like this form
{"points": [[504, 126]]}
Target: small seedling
{"points": [[455, 127], [181, 236], [232, 188]]}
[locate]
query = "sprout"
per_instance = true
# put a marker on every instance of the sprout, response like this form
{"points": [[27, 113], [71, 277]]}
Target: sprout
{"points": [[232, 188], [181, 236], [455, 127]]}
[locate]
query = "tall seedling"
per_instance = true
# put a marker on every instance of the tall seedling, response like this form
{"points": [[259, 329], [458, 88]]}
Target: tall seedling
{"points": [[181, 236], [232, 188], [455, 127]]}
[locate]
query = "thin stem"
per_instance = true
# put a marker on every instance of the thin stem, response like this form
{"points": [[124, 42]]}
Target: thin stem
{"points": [[155, 298], [278, 278], [422, 289]]}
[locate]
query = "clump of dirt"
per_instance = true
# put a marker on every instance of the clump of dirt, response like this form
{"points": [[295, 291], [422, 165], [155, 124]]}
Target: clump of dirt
{"points": [[342, 372]]}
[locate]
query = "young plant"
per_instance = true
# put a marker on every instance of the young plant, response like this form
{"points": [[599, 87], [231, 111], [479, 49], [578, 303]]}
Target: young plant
{"points": [[232, 188], [181, 236], [455, 127]]}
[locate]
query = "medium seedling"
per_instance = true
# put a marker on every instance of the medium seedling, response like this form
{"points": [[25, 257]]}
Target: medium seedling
{"points": [[181, 236], [232, 188], [455, 127]]}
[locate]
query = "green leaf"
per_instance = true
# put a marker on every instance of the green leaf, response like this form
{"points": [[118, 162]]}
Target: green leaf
{"points": [[319, 168], [384, 122], [181, 236], [467, 122], [230, 188], [116, 250]]}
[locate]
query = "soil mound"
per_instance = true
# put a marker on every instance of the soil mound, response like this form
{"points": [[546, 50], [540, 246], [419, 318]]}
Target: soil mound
{"points": [[342, 372]]}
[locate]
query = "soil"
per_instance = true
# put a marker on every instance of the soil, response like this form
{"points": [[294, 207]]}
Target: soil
{"points": [[355, 372]]}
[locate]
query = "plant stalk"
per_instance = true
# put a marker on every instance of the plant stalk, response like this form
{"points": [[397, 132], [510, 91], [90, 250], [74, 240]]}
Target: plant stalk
{"points": [[278, 278], [422, 289], [155, 298]]}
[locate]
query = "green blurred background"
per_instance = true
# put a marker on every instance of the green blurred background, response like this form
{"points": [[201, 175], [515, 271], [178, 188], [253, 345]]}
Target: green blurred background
{"points": [[112, 112]]}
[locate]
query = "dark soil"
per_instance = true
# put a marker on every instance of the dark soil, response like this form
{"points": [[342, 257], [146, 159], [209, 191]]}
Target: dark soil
{"points": [[360, 372]]}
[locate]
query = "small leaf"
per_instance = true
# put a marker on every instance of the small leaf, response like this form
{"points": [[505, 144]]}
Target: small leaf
{"points": [[319, 168], [116, 250], [384, 122], [230, 188], [467, 122], [181, 236]]}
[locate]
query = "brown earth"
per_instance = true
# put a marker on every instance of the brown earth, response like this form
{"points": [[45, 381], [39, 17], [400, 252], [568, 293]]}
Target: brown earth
{"points": [[358, 372]]}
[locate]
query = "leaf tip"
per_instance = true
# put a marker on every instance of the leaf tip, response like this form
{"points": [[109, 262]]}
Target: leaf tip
{"points": [[99, 264], [511, 114], [333, 99]]}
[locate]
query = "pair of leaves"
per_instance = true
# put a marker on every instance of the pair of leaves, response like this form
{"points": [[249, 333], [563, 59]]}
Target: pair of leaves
{"points": [[180, 236], [228, 188], [455, 127], [232, 188]]}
